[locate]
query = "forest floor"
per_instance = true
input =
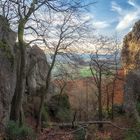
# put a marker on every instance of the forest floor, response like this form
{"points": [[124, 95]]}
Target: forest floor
{"points": [[122, 122], [109, 132]]}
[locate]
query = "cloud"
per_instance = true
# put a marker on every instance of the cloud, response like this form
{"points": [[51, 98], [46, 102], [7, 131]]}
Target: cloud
{"points": [[127, 21], [87, 16], [100, 24], [115, 7], [126, 18], [132, 3], [97, 24]]}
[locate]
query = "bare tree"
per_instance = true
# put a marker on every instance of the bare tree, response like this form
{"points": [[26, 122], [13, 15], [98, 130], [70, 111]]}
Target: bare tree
{"points": [[101, 61], [20, 13], [65, 33], [115, 68], [24, 10], [113, 77]]}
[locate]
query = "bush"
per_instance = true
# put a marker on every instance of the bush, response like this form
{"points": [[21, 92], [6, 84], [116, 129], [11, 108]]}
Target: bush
{"points": [[14, 132], [64, 115], [45, 115], [105, 113], [131, 135], [80, 134], [134, 133], [118, 109], [59, 108]]}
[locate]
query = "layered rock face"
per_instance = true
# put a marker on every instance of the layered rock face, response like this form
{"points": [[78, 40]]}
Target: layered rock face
{"points": [[7, 69], [131, 64], [37, 69]]}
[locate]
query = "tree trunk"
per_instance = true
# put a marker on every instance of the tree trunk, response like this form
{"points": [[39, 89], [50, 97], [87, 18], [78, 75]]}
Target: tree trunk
{"points": [[42, 100], [39, 118], [21, 76], [100, 101], [100, 110], [107, 103], [45, 90], [112, 101], [74, 118], [87, 117]]}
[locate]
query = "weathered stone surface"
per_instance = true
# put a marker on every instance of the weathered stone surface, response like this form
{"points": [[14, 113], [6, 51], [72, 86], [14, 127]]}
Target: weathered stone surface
{"points": [[6, 33], [37, 70], [7, 69], [131, 64]]}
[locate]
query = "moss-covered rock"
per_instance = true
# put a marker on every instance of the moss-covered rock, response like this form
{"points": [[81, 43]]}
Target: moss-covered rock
{"points": [[59, 108], [4, 47]]}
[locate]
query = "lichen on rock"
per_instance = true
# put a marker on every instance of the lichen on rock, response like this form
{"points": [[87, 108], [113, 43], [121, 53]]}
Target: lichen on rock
{"points": [[131, 64]]}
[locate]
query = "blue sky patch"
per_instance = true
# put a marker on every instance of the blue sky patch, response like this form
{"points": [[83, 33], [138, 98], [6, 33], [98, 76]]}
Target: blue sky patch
{"points": [[114, 16]]}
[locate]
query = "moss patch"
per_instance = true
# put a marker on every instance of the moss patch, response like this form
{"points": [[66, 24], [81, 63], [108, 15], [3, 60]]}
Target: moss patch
{"points": [[7, 52], [15, 132], [4, 23]]}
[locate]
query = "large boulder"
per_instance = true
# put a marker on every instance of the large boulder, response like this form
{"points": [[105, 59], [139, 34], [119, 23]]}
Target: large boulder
{"points": [[131, 64], [37, 70], [7, 69]]}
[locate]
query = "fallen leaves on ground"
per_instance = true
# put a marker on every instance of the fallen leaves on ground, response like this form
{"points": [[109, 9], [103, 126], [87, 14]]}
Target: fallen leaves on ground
{"points": [[55, 134]]}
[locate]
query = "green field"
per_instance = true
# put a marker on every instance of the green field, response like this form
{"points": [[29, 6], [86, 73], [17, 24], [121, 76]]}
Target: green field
{"points": [[85, 72]]}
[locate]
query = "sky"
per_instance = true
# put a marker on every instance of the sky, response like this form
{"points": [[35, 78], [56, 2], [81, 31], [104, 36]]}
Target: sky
{"points": [[109, 17], [114, 16]]}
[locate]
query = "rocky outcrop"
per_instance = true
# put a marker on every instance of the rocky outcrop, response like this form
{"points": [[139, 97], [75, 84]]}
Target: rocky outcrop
{"points": [[131, 64], [37, 69], [7, 69]]}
